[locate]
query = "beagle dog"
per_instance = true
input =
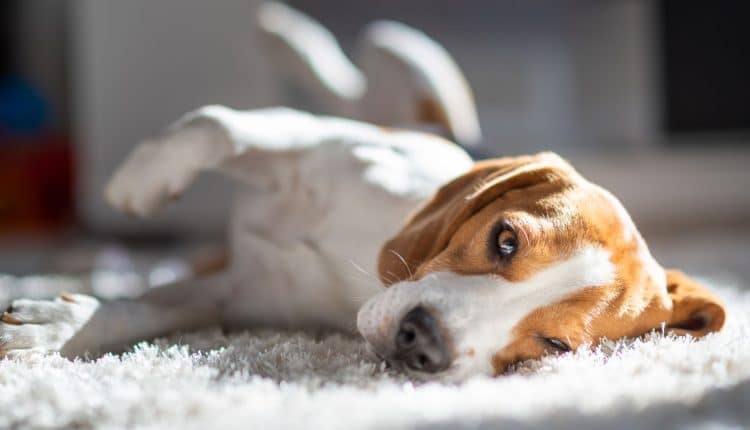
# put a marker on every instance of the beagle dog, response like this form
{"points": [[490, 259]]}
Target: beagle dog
{"points": [[448, 267]]}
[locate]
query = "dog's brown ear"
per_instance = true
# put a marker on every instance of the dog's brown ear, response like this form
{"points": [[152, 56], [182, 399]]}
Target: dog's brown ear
{"points": [[429, 230], [695, 310]]}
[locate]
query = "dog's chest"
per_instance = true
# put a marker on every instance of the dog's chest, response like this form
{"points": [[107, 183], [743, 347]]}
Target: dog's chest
{"points": [[302, 257], [305, 247]]}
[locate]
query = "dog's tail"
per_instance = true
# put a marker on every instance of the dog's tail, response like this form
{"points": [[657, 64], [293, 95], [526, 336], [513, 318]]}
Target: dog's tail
{"points": [[405, 78]]}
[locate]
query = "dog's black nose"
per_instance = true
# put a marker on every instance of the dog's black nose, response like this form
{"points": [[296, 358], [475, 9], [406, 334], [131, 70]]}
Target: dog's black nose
{"points": [[420, 344]]}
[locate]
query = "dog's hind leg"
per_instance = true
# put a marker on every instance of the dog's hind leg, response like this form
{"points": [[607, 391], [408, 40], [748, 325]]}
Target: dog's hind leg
{"points": [[77, 324]]}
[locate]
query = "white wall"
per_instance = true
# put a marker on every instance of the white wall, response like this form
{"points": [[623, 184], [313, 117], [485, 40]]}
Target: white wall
{"points": [[138, 65], [616, 96], [572, 77]]}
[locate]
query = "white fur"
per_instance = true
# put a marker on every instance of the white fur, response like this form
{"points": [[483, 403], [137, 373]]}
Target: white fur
{"points": [[310, 55], [316, 198], [83, 324], [401, 68], [45, 325], [479, 312]]}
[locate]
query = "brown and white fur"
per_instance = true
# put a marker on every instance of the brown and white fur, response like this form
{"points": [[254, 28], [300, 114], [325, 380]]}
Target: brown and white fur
{"points": [[327, 206], [448, 268]]}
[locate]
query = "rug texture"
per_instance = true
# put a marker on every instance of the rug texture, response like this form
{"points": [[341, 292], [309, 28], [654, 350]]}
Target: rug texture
{"points": [[265, 380]]}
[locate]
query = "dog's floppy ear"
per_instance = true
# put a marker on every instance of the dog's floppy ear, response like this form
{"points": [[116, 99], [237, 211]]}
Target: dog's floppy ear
{"points": [[695, 311], [428, 231]]}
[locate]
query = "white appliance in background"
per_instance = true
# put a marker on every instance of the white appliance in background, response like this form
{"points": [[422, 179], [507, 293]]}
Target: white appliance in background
{"points": [[137, 65]]}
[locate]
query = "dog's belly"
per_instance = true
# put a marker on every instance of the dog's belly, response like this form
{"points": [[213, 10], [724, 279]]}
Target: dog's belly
{"points": [[297, 263], [307, 226]]}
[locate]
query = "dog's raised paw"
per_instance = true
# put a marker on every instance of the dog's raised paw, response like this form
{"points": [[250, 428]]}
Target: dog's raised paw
{"points": [[39, 326], [150, 177], [161, 169]]}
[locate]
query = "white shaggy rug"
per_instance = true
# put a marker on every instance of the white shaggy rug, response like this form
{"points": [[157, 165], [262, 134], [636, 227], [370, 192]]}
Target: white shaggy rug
{"points": [[267, 380]]}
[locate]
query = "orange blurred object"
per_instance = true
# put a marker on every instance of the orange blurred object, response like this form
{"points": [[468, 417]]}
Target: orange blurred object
{"points": [[36, 184]]}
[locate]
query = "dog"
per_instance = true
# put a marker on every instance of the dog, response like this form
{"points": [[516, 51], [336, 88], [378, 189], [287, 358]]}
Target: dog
{"points": [[450, 268], [446, 267]]}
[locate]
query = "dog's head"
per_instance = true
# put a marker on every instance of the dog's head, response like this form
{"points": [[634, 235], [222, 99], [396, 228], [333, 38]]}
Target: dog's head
{"points": [[515, 259]]}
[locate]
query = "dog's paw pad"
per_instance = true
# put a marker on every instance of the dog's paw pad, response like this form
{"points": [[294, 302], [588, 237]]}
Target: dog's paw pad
{"points": [[8, 318], [67, 298]]}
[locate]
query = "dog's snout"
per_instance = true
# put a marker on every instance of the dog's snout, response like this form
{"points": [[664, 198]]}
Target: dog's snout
{"points": [[420, 344]]}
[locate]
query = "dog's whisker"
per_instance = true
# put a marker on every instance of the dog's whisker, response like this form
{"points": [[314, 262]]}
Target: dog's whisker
{"points": [[370, 281], [391, 277], [403, 260], [359, 269], [362, 275]]}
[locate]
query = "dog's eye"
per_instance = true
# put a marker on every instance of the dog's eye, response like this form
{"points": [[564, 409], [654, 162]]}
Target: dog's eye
{"points": [[507, 242], [555, 343]]}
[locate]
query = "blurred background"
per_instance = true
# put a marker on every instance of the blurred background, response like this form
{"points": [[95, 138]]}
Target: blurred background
{"points": [[647, 98]]}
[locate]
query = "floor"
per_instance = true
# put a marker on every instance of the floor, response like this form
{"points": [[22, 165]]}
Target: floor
{"points": [[719, 254]]}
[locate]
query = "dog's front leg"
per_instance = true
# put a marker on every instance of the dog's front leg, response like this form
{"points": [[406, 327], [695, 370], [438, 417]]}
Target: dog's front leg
{"points": [[257, 147], [77, 324], [162, 168]]}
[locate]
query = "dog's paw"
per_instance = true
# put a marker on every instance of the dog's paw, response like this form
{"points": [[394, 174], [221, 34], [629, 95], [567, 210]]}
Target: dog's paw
{"points": [[161, 169], [151, 176], [38, 326]]}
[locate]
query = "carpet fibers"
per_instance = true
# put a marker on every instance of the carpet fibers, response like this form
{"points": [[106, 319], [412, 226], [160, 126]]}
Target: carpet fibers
{"points": [[267, 379]]}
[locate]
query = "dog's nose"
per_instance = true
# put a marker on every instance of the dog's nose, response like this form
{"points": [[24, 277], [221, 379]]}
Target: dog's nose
{"points": [[419, 343]]}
